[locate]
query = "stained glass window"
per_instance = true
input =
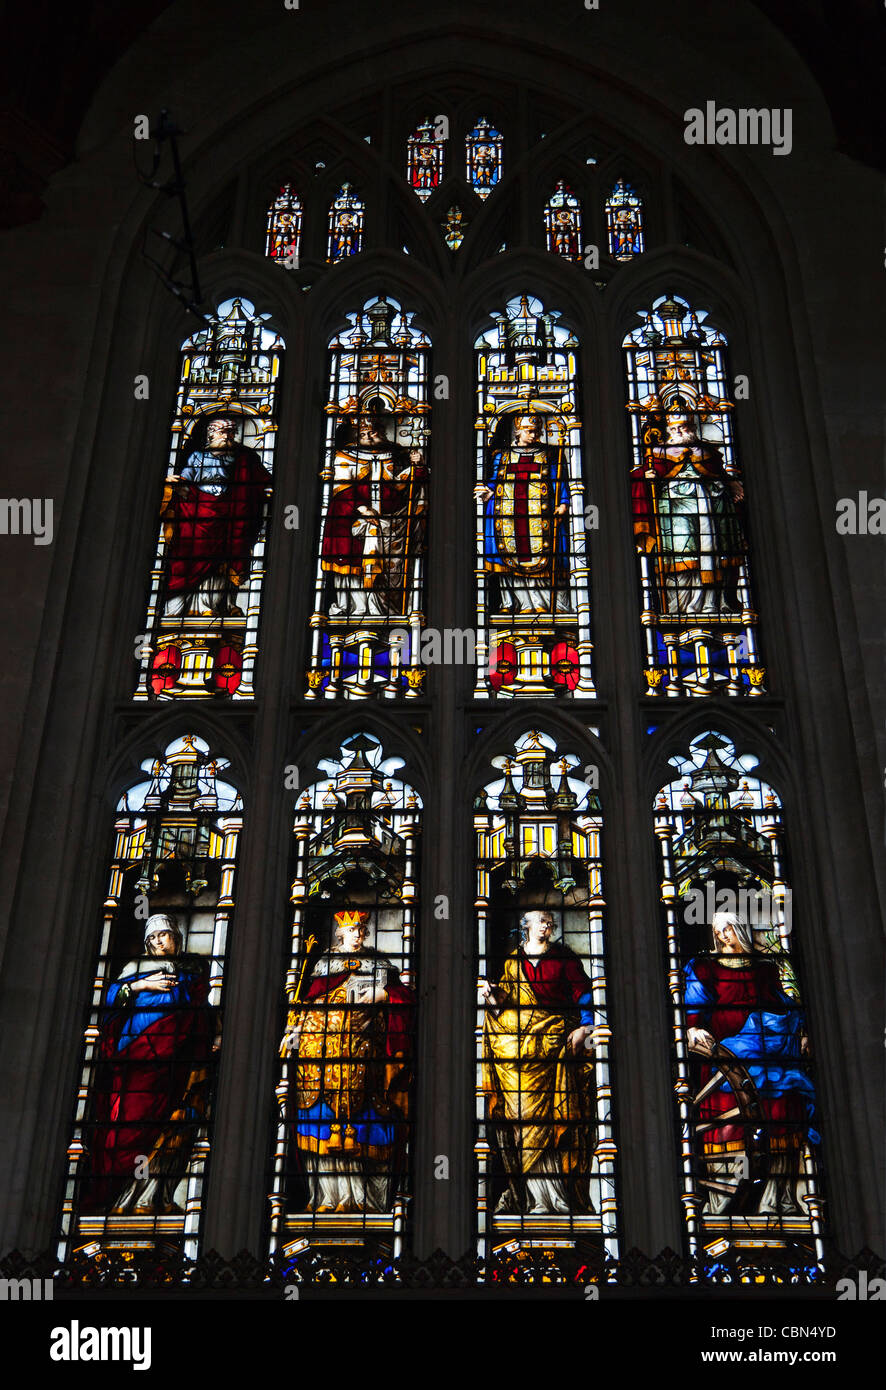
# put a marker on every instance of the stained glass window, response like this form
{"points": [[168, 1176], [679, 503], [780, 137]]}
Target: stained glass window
{"points": [[624, 222], [454, 228], [368, 597], [340, 1182], [141, 1140], [533, 605], [484, 147], [746, 1096], [545, 1144], [283, 242], [346, 217], [344, 1093], [563, 223], [201, 629], [688, 505], [425, 159]]}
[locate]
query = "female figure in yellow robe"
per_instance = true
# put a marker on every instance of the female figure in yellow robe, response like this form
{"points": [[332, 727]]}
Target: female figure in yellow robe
{"points": [[538, 1041]]}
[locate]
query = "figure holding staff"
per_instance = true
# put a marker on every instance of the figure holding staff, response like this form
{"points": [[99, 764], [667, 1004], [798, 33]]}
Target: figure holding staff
{"points": [[525, 522]]}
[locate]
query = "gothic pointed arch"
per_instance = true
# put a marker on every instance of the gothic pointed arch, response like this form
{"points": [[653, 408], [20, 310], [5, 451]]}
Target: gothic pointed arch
{"points": [[545, 1148], [743, 1059], [714, 242], [201, 626], [141, 1139], [343, 1142]]}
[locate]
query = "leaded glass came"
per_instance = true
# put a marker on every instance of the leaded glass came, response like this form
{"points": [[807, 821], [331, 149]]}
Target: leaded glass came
{"points": [[688, 507], [341, 1161], [624, 222], [283, 242], [484, 149], [368, 598], [563, 223], [533, 603], [346, 216], [201, 628], [141, 1140], [545, 1146], [744, 1084]]}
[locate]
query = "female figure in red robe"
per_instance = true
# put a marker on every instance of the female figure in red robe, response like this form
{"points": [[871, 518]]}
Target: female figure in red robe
{"points": [[151, 1093], [735, 1000]]}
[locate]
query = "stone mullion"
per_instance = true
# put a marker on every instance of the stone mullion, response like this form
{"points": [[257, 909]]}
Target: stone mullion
{"points": [[443, 1203], [236, 1199], [642, 1091]]}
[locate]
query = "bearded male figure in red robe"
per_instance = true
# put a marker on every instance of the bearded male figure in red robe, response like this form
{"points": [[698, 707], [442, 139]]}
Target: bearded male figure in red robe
{"points": [[212, 513], [539, 1037], [156, 1048]]}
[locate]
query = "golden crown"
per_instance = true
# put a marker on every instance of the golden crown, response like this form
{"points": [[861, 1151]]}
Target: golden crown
{"points": [[352, 918]]}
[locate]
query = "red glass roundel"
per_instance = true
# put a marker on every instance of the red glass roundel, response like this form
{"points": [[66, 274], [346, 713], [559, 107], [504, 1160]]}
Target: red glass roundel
{"points": [[564, 665], [503, 665], [165, 669], [227, 669]]}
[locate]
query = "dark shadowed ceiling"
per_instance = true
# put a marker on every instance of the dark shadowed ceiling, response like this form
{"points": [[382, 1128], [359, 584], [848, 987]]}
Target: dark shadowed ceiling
{"points": [[57, 55]]}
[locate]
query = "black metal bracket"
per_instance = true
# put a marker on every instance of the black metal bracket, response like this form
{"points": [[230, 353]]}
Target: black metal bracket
{"points": [[163, 132]]}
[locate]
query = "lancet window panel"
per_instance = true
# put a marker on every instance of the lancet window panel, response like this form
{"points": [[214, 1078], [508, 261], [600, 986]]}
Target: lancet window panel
{"points": [[143, 1121], [688, 509], [346, 1072], [545, 1146], [743, 1062], [347, 215], [425, 158], [563, 223], [533, 600], [367, 620], [283, 237], [484, 150], [624, 222], [201, 628]]}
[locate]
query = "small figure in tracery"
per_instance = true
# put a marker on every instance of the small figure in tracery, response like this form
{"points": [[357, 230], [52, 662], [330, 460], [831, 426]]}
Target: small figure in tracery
{"points": [[484, 158], [454, 228], [344, 237], [624, 219], [345, 225], [485, 167], [425, 157], [563, 223], [425, 168], [284, 228]]}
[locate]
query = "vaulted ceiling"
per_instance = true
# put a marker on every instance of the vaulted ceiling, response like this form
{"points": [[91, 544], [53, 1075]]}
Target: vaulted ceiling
{"points": [[57, 56]]}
